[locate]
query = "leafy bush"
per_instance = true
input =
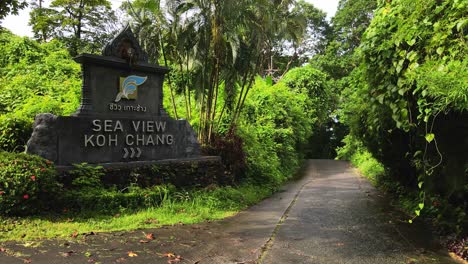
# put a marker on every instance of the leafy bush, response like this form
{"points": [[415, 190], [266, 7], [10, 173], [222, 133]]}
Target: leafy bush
{"points": [[88, 192], [86, 176], [276, 120], [27, 183], [229, 147], [314, 83], [14, 132]]}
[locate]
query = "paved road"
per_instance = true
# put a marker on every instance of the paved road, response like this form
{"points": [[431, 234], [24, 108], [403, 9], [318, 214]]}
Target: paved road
{"points": [[329, 216]]}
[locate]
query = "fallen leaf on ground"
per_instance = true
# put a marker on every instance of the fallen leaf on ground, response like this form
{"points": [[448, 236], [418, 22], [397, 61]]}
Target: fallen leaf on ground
{"points": [[168, 255], [67, 254], [144, 241], [177, 259], [150, 236], [3, 249], [132, 254], [74, 235], [120, 260]]}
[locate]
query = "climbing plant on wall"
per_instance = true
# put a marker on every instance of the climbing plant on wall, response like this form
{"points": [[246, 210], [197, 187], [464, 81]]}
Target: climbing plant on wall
{"points": [[412, 82]]}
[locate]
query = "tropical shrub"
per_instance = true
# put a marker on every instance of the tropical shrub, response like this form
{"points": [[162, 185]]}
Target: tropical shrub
{"points": [[14, 132], [276, 120], [27, 183]]}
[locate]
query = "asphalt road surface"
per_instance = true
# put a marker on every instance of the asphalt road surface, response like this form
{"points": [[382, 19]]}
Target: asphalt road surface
{"points": [[330, 215]]}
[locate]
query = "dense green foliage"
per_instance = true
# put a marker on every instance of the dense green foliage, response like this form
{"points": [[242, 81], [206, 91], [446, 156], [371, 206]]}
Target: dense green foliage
{"points": [[27, 183], [274, 126], [35, 78], [408, 99]]}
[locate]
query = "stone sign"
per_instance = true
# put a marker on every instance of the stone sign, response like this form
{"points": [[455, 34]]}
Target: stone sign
{"points": [[121, 117]]}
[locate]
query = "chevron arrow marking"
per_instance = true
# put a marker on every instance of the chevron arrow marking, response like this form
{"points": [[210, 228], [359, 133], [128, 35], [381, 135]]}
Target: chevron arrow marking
{"points": [[138, 152], [133, 153], [126, 153]]}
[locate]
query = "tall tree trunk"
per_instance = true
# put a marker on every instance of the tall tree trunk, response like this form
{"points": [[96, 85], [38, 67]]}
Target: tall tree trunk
{"points": [[174, 107], [242, 97], [188, 92], [184, 85], [216, 92]]}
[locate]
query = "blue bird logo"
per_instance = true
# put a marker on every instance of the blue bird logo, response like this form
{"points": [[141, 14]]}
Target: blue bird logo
{"points": [[128, 87]]}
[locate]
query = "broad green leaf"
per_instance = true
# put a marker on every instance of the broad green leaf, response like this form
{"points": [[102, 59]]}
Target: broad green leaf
{"points": [[420, 185], [440, 50], [421, 206], [417, 212], [412, 55], [429, 137], [460, 24], [411, 42], [404, 113], [410, 221], [380, 98]]}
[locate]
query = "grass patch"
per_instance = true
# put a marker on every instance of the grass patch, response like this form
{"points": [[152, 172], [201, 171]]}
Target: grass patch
{"points": [[354, 151], [186, 207], [368, 166]]}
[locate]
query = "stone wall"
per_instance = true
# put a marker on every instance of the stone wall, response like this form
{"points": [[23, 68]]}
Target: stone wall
{"points": [[190, 172]]}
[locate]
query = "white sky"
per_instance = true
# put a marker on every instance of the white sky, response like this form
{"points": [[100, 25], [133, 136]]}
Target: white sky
{"points": [[19, 24]]}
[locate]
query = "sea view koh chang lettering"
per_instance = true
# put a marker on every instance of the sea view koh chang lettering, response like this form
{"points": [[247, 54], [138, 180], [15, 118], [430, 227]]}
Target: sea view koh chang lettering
{"points": [[129, 133]]}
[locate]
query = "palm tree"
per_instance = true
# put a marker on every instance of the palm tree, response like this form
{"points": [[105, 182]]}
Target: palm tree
{"points": [[216, 44], [150, 24]]}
